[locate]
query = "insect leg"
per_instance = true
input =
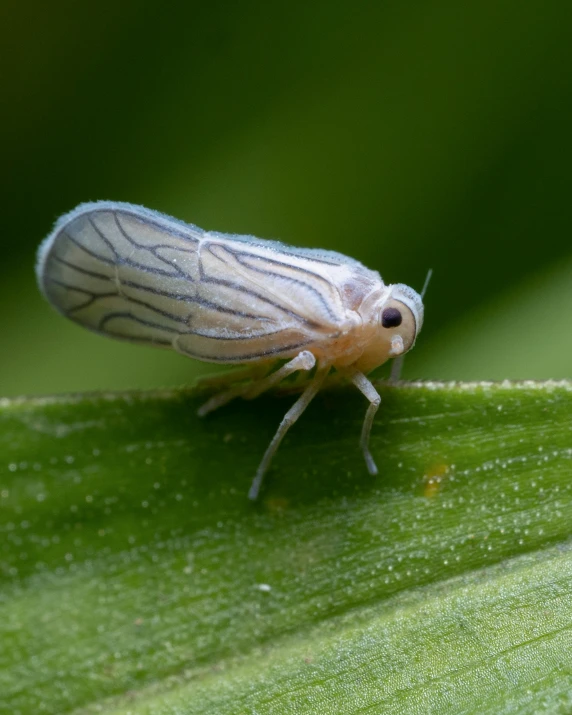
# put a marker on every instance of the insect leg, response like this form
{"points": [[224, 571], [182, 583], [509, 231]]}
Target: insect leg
{"points": [[367, 389], [287, 421], [224, 379], [396, 367], [222, 398], [303, 361]]}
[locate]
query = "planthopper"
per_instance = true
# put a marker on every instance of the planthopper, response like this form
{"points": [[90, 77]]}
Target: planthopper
{"points": [[135, 274]]}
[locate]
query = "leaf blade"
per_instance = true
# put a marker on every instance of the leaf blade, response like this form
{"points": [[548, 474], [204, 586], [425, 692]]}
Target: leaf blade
{"points": [[140, 565]]}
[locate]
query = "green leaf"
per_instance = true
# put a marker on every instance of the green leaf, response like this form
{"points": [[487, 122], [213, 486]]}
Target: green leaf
{"points": [[138, 578]]}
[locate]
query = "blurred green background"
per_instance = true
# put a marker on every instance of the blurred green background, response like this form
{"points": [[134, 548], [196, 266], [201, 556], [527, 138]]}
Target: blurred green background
{"points": [[408, 135]]}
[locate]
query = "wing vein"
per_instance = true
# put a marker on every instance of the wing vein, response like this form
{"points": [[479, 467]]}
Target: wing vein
{"points": [[249, 356], [103, 237], [175, 269], [248, 291], [263, 271], [79, 269], [130, 316], [255, 336], [89, 252]]}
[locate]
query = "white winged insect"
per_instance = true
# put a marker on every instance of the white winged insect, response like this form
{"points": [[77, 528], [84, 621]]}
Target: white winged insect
{"points": [[135, 274]]}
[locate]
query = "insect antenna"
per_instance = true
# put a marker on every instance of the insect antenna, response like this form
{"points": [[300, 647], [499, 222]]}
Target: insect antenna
{"points": [[426, 284]]}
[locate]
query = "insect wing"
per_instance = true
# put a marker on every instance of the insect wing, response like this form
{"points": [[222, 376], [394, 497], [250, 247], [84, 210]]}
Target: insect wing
{"points": [[139, 275], [122, 271], [272, 303]]}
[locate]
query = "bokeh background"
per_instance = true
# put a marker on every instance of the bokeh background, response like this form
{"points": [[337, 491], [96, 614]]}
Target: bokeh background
{"points": [[408, 135]]}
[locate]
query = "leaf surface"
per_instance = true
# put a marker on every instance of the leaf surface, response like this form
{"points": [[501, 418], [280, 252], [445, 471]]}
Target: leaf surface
{"points": [[137, 577]]}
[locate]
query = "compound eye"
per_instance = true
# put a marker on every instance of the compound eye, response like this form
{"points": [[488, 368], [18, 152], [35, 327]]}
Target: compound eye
{"points": [[391, 318]]}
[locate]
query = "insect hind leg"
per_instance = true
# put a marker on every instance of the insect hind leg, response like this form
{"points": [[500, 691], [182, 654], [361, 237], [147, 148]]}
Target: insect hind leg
{"points": [[236, 382], [249, 390], [287, 421], [229, 377]]}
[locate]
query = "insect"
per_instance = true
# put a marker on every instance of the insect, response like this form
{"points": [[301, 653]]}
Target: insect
{"points": [[135, 274]]}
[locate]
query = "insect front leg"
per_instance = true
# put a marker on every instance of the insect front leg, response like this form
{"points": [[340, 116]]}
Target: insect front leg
{"points": [[367, 389], [287, 421], [396, 368]]}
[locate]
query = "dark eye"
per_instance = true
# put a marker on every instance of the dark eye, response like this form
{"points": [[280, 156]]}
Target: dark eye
{"points": [[391, 318]]}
